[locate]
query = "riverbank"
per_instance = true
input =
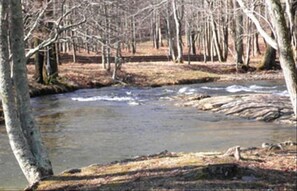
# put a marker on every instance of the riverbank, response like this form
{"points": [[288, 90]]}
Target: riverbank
{"points": [[154, 74], [269, 167]]}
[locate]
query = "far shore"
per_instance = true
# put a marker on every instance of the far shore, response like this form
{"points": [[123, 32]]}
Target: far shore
{"points": [[74, 76]]}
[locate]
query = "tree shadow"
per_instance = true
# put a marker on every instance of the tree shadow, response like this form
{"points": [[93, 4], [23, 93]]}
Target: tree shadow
{"points": [[196, 177]]}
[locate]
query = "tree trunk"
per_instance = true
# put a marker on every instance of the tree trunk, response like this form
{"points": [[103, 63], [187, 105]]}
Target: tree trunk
{"points": [[51, 64], [284, 49], [216, 39], [172, 51], [238, 34], [193, 42], [294, 28], [39, 57], [133, 35], [256, 46], [24, 136], [225, 43], [268, 61], [248, 43], [177, 19], [74, 50], [155, 28], [103, 55]]}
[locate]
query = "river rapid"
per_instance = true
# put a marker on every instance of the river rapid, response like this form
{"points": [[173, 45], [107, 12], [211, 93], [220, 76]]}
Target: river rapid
{"points": [[114, 123]]}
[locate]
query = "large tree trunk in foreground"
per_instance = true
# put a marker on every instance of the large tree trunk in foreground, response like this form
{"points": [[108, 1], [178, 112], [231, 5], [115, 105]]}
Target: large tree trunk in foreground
{"points": [[283, 44], [285, 49], [17, 140], [24, 136]]}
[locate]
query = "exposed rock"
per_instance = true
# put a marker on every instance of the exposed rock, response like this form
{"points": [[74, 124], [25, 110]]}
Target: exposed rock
{"points": [[262, 107], [221, 171], [72, 171], [269, 146]]}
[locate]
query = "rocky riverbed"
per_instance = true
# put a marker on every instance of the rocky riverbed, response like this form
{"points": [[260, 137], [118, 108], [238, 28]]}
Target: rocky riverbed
{"points": [[262, 107]]}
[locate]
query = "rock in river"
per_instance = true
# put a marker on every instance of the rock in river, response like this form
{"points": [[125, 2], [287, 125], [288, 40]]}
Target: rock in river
{"points": [[262, 107]]}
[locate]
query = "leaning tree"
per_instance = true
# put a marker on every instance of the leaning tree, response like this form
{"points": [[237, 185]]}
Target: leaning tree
{"points": [[282, 43], [23, 133]]}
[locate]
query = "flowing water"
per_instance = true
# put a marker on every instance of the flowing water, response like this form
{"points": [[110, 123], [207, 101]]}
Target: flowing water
{"points": [[103, 125]]}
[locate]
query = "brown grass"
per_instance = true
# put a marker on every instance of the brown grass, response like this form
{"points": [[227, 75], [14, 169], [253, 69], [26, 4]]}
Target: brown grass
{"points": [[259, 169]]}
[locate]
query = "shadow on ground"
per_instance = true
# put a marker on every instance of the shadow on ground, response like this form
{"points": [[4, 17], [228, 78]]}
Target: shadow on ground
{"points": [[218, 176]]}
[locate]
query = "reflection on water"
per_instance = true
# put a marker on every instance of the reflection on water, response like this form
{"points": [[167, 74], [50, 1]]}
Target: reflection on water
{"points": [[80, 130]]}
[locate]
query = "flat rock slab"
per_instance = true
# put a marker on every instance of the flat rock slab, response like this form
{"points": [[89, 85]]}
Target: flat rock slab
{"points": [[262, 107]]}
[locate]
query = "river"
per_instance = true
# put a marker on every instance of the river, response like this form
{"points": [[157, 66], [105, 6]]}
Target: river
{"points": [[114, 123]]}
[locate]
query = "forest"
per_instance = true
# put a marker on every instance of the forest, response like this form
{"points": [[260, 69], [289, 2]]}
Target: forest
{"points": [[157, 62]]}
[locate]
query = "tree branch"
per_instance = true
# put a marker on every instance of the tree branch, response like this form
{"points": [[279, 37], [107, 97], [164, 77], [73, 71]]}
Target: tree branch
{"points": [[263, 33]]}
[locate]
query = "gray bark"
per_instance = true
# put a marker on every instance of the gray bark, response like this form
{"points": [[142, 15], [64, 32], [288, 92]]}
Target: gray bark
{"points": [[177, 19], [40, 165], [39, 57], [238, 34], [172, 52], [16, 137], [285, 49]]}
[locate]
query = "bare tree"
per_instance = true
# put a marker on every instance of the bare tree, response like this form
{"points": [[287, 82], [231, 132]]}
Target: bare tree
{"points": [[24, 136], [282, 44]]}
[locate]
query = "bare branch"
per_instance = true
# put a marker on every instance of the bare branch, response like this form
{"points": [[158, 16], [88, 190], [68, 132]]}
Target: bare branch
{"points": [[263, 33]]}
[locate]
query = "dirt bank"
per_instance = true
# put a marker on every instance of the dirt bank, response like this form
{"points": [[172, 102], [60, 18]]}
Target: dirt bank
{"points": [[257, 168], [152, 74]]}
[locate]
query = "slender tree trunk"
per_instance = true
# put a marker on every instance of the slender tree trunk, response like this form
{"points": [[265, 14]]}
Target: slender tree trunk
{"points": [[39, 57], [238, 35], [156, 24], [51, 63], [74, 50], [133, 35], [51, 60], [225, 43], [216, 40], [193, 43], [256, 46], [103, 55], [248, 44], [172, 52], [204, 50], [177, 19]]}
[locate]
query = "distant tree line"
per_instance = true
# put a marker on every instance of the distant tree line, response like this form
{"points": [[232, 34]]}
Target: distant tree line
{"points": [[44, 28], [216, 29]]}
